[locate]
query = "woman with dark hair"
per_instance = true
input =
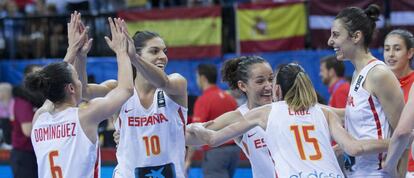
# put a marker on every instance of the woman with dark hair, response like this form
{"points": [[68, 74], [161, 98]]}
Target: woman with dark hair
{"points": [[151, 122], [252, 76], [375, 101], [297, 131], [398, 55], [64, 136]]}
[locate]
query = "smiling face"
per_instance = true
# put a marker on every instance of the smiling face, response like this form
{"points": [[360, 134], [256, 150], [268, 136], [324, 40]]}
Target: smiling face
{"points": [[396, 54], [258, 88], [341, 41], [155, 52]]}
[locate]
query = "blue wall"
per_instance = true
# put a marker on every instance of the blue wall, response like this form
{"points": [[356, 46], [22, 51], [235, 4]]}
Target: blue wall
{"points": [[105, 67]]}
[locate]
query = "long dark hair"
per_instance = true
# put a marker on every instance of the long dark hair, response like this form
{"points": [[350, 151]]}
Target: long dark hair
{"points": [[51, 81]]}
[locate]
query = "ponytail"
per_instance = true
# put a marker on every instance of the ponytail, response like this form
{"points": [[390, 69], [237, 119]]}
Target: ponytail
{"points": [[301, 95], [297, 88]]}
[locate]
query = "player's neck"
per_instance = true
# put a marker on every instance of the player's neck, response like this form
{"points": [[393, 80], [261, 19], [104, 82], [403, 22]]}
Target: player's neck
{"points": [[402, 73]]}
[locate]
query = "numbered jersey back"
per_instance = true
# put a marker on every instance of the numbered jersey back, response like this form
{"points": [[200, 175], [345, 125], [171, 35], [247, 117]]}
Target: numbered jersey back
{"points": [[62, 148], [300, 143], [151, 137]]}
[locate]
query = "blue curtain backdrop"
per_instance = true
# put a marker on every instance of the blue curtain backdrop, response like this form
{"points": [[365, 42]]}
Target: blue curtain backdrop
{"points": [[104, 68]]}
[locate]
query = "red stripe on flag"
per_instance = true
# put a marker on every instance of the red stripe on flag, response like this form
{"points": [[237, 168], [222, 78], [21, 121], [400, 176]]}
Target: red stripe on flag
{"points": [[292, 43], [191, 52], [171, 13], [402, 5], [378, 124], [323, 7], [266, 5]]}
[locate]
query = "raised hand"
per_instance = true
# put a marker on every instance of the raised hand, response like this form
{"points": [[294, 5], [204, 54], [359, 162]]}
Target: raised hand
{"points": [[76, 36], [119, 42], [131, 45], [87, 42]]}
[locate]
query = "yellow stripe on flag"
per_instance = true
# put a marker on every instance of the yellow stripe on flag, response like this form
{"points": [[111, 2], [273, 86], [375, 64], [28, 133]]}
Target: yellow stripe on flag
{"points": [[272, 23], [183, 32]]}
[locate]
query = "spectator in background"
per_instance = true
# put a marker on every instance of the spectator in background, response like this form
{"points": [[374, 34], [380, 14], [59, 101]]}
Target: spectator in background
{"points": [[332, 74], [5, 115], [22, 158], [220, 161]]}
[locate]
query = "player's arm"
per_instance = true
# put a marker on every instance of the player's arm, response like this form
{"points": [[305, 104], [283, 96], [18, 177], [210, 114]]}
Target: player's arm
{"points": [[173, 84], [386, 88], [349, 144], [401, 136], [102, 108], [219, 123], [340, 112], [255, 117]]}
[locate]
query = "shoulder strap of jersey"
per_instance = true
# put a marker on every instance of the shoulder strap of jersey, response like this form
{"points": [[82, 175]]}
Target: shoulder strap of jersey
{"points": [[363, 74]]}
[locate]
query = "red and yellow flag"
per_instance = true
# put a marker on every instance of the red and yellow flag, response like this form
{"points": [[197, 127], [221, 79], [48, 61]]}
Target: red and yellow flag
{"points": [[271, 26], [188, 32]]}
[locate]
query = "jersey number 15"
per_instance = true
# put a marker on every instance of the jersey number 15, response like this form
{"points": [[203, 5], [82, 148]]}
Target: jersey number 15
{"points": [[298, 132]]}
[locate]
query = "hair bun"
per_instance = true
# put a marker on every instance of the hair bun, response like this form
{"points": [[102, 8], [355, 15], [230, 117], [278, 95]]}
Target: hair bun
{"points": [[373, 11]]}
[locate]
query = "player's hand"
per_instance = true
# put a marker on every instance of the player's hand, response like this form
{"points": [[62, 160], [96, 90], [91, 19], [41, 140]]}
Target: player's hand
{"points": [[119, 42], [87, 42], [76, 36]]}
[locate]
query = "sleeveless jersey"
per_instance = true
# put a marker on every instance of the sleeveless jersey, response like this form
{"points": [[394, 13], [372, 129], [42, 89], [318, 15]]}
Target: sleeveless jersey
{"points": [[365, 119], [254, 147], [151, 137], [62, 148], [300, 143]]}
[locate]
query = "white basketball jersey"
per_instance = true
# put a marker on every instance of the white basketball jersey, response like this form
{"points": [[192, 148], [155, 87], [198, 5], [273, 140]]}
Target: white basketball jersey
{"points": [[254, 147], [365, 119], [151, 137], [62, 148], [300, 143]]}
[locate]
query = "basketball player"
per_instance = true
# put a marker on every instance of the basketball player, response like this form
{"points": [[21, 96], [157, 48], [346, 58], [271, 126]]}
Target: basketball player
{"points": [[297, 131], [151, 122], [375, 100], [398, 55], [64, 136], [253, 76]]}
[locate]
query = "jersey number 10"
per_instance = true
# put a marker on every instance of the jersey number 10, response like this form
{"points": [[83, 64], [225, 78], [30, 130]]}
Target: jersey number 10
{"points": [[298, 131], [152, 145]]}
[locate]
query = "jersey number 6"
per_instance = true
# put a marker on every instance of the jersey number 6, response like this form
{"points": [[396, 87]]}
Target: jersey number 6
{"points": [[56, 171]]}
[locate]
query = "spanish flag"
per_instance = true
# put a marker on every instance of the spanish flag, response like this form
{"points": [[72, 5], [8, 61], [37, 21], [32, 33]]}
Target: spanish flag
{"points": [[271, 26], [188, 32]]}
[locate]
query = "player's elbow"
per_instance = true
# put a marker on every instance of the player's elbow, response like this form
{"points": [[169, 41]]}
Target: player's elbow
{"points": [[402, 133]]}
